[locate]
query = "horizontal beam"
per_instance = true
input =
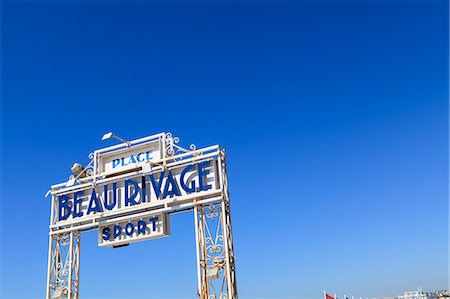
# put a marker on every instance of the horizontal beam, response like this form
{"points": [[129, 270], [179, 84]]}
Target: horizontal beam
{"points": [[59, 188], [139, 207], [159, 136], [170, 209]]}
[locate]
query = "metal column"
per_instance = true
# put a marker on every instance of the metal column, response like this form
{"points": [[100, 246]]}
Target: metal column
{"points": [[63, 266], [214, 244]]}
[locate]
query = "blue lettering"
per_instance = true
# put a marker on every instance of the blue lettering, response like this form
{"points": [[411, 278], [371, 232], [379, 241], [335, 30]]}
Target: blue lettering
{"points": [[115, 162], [132, 160], [129, 229], [105, 196], [130, 200], [174, 190], [141, 226], [147, 155], [94, 199], [182, 181], [157, 187], [77, 200], [63, 205], [153, 221], [117, 231], [143, 190], [201, 173], [106, 234], [138, 157]]}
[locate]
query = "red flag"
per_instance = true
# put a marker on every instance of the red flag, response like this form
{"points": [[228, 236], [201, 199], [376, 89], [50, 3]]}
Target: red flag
{"points": [[328, 296]]}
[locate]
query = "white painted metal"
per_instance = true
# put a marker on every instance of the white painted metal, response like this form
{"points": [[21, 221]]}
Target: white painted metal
{"points": [[215, 255], [64, 263], [161, 230], [214, 245], [198, 247]]}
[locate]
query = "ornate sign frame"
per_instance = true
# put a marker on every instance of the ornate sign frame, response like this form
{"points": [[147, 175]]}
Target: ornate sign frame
{"points": [[213, 234]]}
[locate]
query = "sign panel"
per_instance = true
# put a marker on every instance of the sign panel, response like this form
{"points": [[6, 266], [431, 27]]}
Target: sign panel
{"points": [[116, 195], [138, 229], [128, 158]]}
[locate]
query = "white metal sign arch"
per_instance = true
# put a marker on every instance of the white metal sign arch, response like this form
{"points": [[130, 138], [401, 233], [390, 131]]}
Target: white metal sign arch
{"points": [[127, 192]]}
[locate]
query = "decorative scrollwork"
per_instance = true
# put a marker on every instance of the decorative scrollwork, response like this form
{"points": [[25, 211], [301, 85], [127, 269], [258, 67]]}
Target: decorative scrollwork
{"points": [[214, 249], [212, 211], [90, 172], [89, 169], [63, 271], [63, 240], [172, 147], [169, 144], [213, 236]]}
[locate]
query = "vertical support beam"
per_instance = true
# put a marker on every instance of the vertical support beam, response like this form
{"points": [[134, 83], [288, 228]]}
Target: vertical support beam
{"points": [[70, 257], [229, 251], [198, 247], [75, 277], [215, 257], [215, 254], [231, 274], [63, 266]]}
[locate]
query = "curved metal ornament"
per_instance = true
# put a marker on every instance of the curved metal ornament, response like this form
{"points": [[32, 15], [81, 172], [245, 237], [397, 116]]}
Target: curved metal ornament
{"points": [[173, 149]]}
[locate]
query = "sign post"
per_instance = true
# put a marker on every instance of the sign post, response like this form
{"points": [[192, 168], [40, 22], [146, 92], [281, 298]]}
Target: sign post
{"points": [[128, 192]]}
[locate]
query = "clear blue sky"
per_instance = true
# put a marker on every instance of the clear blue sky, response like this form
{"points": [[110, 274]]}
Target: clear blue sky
{"points": [[334, 116]]}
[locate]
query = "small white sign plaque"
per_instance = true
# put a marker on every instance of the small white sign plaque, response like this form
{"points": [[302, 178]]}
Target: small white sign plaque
{"points": [[138, 229], [129, 158]]}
